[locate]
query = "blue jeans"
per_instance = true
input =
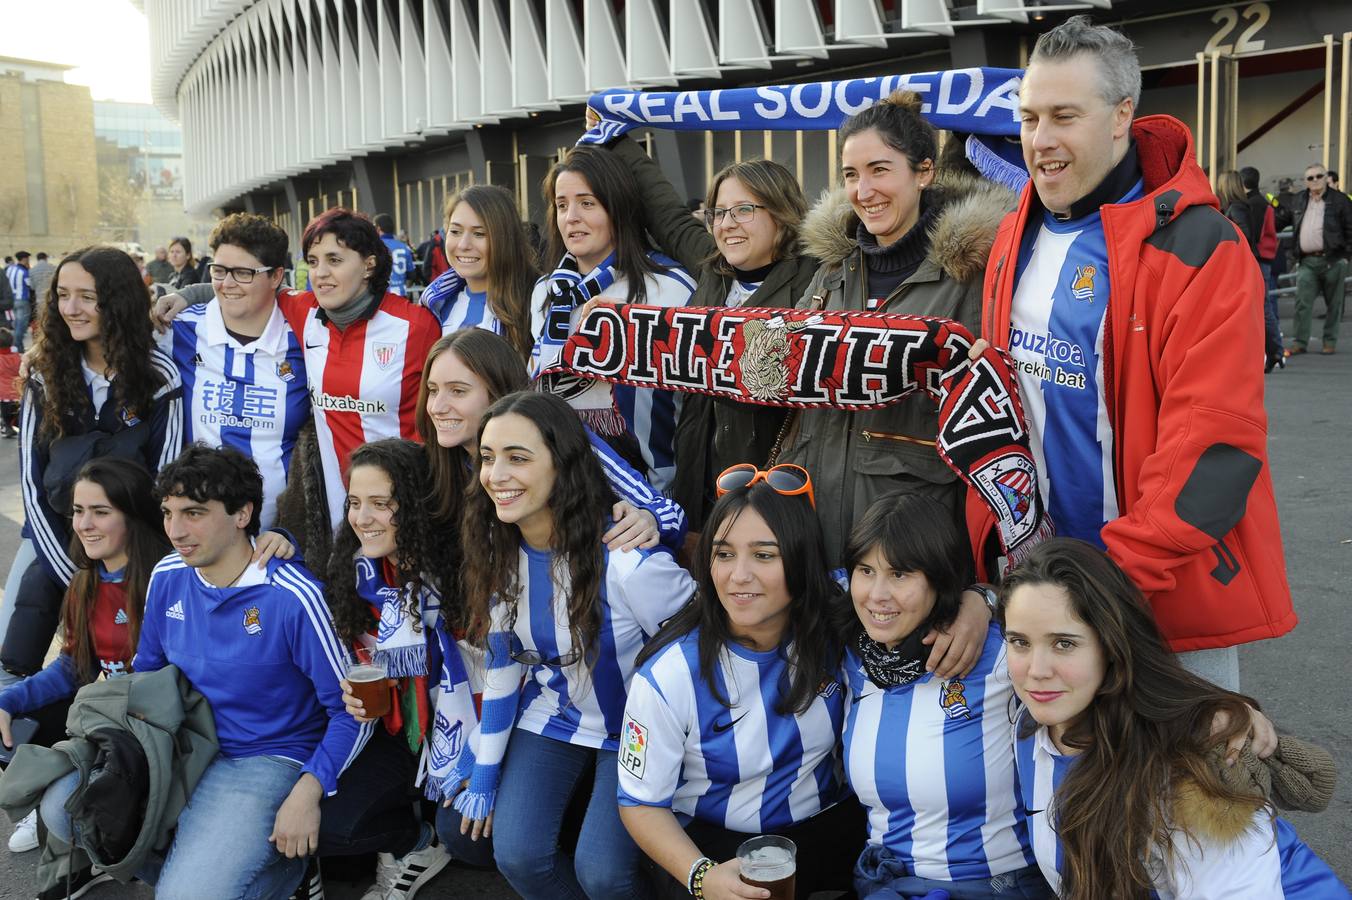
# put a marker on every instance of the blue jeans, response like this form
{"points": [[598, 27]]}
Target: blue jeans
{"points": [[25, 556], [461, 846], [881, 876], [220, 850], [23, 312], [539, 777]]}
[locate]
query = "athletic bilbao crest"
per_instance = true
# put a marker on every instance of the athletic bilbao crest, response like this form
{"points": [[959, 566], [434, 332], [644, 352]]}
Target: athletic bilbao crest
{"points": [[1009, 485], [384, 355], [832, 359]]}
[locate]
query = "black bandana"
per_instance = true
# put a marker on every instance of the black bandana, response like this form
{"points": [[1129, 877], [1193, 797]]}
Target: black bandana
{"points": [[891, 668]]}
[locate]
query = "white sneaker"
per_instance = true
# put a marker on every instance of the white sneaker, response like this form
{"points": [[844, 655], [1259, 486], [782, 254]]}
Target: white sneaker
{"points": [[400, 879], [25, 836]]}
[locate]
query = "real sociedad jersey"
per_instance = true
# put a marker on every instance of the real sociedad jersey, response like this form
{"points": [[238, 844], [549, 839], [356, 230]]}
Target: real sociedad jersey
{"points": [[402, 264], [642, 588], [747, 767], [931, 763], [457, 309], [649, 415], [363, 380], [1061, 297], [251, 397], [1268, 861], [265, 655]]}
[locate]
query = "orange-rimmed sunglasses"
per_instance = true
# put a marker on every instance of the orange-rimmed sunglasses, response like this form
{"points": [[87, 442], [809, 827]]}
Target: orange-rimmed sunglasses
{"points": [[785, 478]]}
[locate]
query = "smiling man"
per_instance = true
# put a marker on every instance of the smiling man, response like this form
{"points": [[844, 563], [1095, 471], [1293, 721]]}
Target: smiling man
{"points": [[1133, 312]]}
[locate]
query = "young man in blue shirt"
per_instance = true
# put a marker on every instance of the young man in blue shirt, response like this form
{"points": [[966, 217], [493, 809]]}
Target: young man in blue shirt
{"points": [[401, 253]]}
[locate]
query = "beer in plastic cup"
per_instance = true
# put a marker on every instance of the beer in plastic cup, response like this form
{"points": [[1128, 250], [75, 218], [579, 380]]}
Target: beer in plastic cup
{"points": [[769, 861], [368, 686]]}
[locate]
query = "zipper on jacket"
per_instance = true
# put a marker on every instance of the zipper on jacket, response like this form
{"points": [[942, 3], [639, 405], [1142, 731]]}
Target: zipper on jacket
{"points": [[871, 436], [995, 292]]}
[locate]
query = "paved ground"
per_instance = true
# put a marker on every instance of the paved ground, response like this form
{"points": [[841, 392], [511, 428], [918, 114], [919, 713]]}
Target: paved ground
{"points": [[1295, 677]]}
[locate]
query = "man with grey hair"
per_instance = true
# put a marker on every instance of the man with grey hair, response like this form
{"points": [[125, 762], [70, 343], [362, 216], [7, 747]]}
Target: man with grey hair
{"points": [[1322, 232], [1132, 310]]}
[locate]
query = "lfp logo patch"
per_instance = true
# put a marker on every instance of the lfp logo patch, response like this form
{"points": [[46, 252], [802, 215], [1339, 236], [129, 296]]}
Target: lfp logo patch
{"points": [[251, 623], [634, 747]]}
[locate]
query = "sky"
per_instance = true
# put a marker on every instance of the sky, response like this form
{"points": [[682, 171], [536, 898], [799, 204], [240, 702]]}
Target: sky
{"points": [[107, 39]]}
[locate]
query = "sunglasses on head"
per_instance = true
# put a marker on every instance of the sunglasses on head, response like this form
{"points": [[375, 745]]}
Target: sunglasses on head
{"points": [[786, 479]]}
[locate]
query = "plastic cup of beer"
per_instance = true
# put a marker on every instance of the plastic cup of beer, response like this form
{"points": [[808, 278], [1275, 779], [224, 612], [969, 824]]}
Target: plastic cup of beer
{"points": [[368, 686], [770, 862]]}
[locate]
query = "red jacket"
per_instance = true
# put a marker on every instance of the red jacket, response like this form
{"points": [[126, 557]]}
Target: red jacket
{"points": [[1198, 528]]}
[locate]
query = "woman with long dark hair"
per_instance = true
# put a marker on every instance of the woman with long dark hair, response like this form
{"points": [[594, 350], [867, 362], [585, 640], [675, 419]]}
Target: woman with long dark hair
{"points": [[732, 721], [466, 372], [595, 241], [1118, 749], [118, 539], [98, 387], [551, 603], [493, 268], [393, 589], [928, 756]]}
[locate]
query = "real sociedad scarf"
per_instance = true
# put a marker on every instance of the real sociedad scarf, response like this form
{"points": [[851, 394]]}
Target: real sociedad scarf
{"points": [[454, 721], [833, 359], [568, 290], [400, 645], [983, 102]]}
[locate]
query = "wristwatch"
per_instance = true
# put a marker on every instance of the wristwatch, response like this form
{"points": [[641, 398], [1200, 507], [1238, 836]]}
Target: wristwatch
{"points": [[988, 594]]}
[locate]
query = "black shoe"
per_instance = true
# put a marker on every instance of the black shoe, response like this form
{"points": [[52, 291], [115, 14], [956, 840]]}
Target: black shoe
{"points": [[77, 885], [311, 887]]}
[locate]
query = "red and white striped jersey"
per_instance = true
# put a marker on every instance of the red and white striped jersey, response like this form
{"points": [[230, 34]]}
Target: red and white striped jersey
{"points": [[363, 379]]}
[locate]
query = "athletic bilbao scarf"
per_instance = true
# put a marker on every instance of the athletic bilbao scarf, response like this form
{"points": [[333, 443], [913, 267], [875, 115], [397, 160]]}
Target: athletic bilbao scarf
{"points": [[568, 290], [983, 102], [832, 359]]}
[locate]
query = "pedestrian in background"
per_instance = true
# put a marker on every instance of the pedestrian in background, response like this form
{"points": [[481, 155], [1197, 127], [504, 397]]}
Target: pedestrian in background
{"points": [[1323, 237]]}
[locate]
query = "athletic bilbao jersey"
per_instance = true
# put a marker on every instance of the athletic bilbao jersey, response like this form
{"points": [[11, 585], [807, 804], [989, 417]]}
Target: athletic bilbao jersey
{"points": [[930, 762], [363, 380], [252, 397], [746, 767], [1056, 332], [642, 588], [402, 263], [1267, 861], [264, 653]]}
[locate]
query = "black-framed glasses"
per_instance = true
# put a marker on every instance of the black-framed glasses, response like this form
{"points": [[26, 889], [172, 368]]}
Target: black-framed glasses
{"points": [[741, 213], [242, 274], [534, 658], [1314, 177]]}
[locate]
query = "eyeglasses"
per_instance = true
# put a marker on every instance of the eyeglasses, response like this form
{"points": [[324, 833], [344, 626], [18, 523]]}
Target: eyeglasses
{"points": [[243, 275], [533, 658], [785, 478], [742, 212], [1314, 177]]}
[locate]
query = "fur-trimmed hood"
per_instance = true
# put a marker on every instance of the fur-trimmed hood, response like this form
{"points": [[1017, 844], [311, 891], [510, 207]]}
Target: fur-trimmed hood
{"points": [[1208, 817], [960, 241]]}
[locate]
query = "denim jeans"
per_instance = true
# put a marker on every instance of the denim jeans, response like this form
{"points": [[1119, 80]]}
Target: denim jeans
{"points": [[23, 313], [376, 807], [881, 876], [23, 558], [462, 847], [221, 849], [539, 777]]}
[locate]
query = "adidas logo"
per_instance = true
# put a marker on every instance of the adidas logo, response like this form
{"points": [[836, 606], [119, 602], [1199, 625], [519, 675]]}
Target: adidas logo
{"points": [[197, 359], [175, 611], [121, 617]]}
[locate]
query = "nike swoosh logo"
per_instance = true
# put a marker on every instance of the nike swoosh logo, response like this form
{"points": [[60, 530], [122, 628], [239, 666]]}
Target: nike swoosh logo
{"points": [[313, 346], [719, 727]]}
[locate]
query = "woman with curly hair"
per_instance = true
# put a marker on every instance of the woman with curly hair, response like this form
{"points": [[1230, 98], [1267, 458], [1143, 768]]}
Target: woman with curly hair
{"points": [[493, 268], [98, 387], [399, 608], [551, 603], [468, 371], [1119, 749]]}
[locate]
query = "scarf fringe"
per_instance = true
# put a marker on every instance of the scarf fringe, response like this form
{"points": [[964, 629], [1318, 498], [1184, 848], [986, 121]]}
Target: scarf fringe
{"points": [[476, 804], [1016, 555], [403, 662], [606, 422]]}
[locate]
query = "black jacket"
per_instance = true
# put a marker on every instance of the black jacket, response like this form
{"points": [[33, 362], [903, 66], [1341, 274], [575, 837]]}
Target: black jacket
{"points": [[1337, 223]]}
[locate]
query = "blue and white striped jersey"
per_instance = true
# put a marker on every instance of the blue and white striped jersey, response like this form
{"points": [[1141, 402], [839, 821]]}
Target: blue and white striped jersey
{"points": [[630, 486], [1267, 861], [746, 767], [251, 397], [649, 415], [1056, 340], [457, 307], [264, 653], [931, 763]]}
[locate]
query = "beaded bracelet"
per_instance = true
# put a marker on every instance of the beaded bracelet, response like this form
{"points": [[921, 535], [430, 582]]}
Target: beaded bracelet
{"points": [[695, 881]]}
